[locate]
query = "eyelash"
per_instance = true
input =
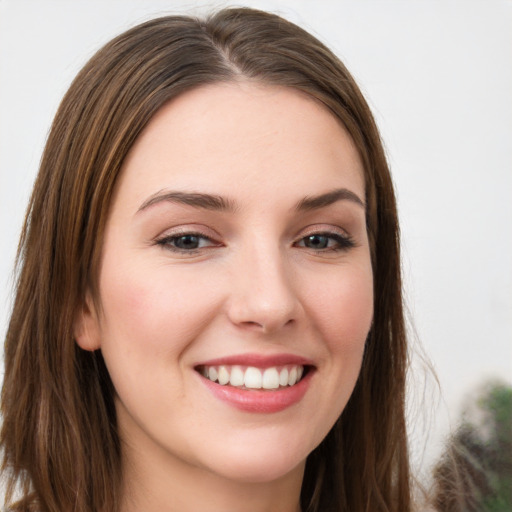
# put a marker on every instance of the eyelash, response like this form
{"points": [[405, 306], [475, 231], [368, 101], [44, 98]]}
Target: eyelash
{"points": [[341, 242], [168, 241]]}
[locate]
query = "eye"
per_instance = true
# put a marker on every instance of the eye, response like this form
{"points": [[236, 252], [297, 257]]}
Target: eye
{"points": [[186, 242], [326, 242]]}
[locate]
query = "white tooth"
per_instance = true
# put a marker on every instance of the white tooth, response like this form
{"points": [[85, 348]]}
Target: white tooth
{"points": [[300, 371], [270, 379], [237, 376], [252, 378], [223, 375], [292, 377], [283, 377], [212, 373], [204, 371]]}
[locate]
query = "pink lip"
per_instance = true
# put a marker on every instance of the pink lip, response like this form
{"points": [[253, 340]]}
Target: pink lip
{"points": [[258, 360], [259, 401]]}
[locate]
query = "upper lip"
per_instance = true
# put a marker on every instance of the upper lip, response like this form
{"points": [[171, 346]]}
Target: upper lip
{"points": [[258, 360]]}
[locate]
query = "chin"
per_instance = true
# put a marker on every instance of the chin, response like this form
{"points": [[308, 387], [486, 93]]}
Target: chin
{"points": [[261, 471], [263, 462]]}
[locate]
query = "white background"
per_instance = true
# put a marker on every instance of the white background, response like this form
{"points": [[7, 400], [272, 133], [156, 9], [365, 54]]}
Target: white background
{"points": [[438, 76]]}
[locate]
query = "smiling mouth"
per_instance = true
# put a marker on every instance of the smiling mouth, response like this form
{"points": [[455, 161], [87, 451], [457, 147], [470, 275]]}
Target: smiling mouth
{"points": [[251, 377]]}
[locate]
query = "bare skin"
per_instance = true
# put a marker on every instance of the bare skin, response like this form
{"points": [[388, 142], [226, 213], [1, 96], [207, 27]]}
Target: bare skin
{"points": [[237, 229]]}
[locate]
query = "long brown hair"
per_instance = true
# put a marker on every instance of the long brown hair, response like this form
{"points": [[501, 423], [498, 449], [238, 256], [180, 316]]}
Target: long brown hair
{"points": [[60, 445]]}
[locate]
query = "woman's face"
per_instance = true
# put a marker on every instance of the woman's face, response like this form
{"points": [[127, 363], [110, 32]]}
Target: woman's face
{"points": [[235, 259]]}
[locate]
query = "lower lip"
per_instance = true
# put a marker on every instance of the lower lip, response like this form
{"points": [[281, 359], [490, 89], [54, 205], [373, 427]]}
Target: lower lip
{"points": [[260, 401]]}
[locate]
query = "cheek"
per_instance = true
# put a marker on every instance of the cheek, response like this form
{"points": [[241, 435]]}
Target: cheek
{"points": [[149, 320], [152, 314], [341, 305], [343, 308]]}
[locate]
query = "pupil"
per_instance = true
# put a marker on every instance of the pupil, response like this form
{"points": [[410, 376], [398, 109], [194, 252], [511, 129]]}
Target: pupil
{"points": [[316, 241], [187, 242]]}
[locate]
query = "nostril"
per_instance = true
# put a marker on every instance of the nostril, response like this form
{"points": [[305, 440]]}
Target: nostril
{"points": [[266, 303], [266, 327]]}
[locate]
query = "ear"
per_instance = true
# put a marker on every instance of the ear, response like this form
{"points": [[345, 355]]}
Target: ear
{"points": [[86, 328]]}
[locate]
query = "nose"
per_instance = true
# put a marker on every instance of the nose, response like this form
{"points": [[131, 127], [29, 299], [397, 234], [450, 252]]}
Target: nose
{"points": [[263, 297]]}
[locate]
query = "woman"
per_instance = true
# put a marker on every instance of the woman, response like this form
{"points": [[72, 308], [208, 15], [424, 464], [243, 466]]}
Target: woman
{"points": [[208, 313]]}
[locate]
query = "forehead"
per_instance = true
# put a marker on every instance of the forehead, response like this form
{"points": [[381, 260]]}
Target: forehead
{"points": [[223, 136]]}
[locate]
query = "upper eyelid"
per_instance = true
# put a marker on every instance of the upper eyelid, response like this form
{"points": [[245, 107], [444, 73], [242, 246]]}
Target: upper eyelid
{"points": [[192, 229], [324, 229], [171, 236]]}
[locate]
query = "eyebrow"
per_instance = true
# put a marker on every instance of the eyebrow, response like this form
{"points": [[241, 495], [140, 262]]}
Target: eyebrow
{"points": [[195, 199], [219, 203], [322, 200]]}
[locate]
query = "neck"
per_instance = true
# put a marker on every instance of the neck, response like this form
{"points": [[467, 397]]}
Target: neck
{"points": [[168, 484]]}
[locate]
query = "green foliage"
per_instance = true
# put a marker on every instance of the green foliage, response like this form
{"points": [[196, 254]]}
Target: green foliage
{"points": [[475, 472]]}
